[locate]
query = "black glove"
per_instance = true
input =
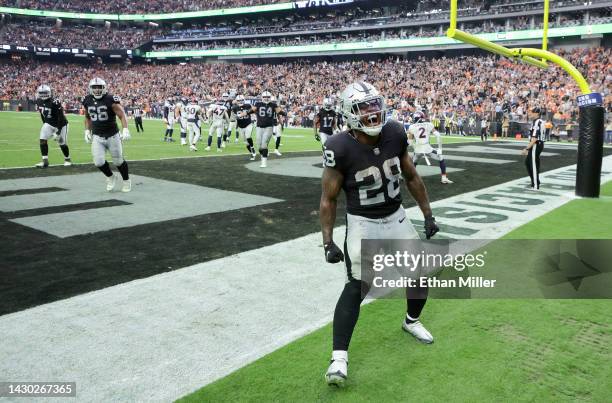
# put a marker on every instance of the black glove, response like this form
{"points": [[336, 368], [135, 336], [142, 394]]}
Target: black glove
{"points": [[333, 254], [317, 137], [431, 228]]}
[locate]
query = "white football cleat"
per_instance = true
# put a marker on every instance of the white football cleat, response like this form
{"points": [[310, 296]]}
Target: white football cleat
{"points": [[183, 142], [338, 369], [42, 164], [127, 186], [445, 180], [277, 152], [264, 162], [207, 148], [193, 148], [223, 144], [236, 141], [219, 150], [253, 157], [418, 331], [110, 182], [67, 163]]}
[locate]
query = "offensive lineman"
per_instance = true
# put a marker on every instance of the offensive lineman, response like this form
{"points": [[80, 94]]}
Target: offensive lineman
{"points": [[55, 125], [193, 114], [264, 110], [326, 121], [245, 124], [217, 116], [419, 135], [367, 162], [102, 132]]}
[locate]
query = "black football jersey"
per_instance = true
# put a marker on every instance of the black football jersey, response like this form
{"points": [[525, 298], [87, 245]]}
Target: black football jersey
{"points": [[52, 112], [326, 121], [244, 115], [371, 173], [100, 111], [265, 113], [276, 115]]}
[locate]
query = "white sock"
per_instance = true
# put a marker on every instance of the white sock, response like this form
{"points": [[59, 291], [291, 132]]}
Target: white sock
{"points": [[340, 355]]}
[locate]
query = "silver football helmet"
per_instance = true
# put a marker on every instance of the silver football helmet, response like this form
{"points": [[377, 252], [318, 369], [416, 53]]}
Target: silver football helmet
{"points": [[327, 104], [363, 108], [266, 96], [97, 88], [43, 92], [225, 96], [240, 99]]}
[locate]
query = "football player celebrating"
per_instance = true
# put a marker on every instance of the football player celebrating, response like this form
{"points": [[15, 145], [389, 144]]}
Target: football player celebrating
{"points": [[55, 125], [102, 132], [265, 110], [169, 120], [217, 115], [193, 113], [419, 135], [245, 124], [227, 124], [325, 121], [367, 162]]}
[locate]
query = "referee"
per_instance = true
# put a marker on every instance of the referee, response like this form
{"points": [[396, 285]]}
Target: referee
{"points": [[138, 119], [535, 147]]}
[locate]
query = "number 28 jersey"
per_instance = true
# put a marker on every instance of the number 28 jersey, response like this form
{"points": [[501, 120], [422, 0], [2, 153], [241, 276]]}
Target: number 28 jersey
{"points": [[100, 111], [371, 173]]}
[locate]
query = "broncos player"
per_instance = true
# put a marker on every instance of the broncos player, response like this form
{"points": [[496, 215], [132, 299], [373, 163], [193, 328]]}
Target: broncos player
{"points": [[55, 125], [326, 122], [217, 115], [101, 130], [265, 110], [245, 124], [169, 120], [180, 114], [367, 161], [419, 135], [193, 114]]}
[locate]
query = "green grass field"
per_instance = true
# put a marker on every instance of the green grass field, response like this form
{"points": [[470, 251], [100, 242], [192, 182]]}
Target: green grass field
{"points": [[485, 350], [19, 141]]}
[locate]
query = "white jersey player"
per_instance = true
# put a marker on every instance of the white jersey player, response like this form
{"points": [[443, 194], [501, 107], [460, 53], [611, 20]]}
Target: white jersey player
{"points": [[193, 113], [180, 115], [419, 136], [218, 117]]}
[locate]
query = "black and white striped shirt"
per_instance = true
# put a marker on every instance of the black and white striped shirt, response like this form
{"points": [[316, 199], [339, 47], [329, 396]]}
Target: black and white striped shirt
{"points": [[537, 130]]}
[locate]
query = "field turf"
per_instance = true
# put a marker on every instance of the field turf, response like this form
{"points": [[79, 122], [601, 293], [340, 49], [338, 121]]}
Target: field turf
{"points": [[19, 133], [485, 350]]}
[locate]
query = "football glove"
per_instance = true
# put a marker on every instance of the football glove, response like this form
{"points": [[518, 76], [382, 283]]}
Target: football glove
{"points": [[88, 136], [431, 228], [125, 134], [333, 254], [317, 137]]}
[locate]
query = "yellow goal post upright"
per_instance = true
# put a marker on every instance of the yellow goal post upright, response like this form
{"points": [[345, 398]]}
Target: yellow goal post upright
{"points": [[591, 111]]}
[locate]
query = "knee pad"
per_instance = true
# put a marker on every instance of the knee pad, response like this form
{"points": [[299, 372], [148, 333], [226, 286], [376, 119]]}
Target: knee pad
{"points": [[98, 162], [118, 161]]}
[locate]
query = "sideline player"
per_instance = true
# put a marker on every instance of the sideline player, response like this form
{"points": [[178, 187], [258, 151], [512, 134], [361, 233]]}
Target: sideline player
{"points": [[55, 125], [265, 110], [367, 162], [326, 121], [419, 136], [102, 132]]}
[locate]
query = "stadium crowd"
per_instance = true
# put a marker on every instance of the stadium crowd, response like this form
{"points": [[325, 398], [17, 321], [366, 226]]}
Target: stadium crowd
{"points": [[480, 85], [133, 7], [76, 36]]}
